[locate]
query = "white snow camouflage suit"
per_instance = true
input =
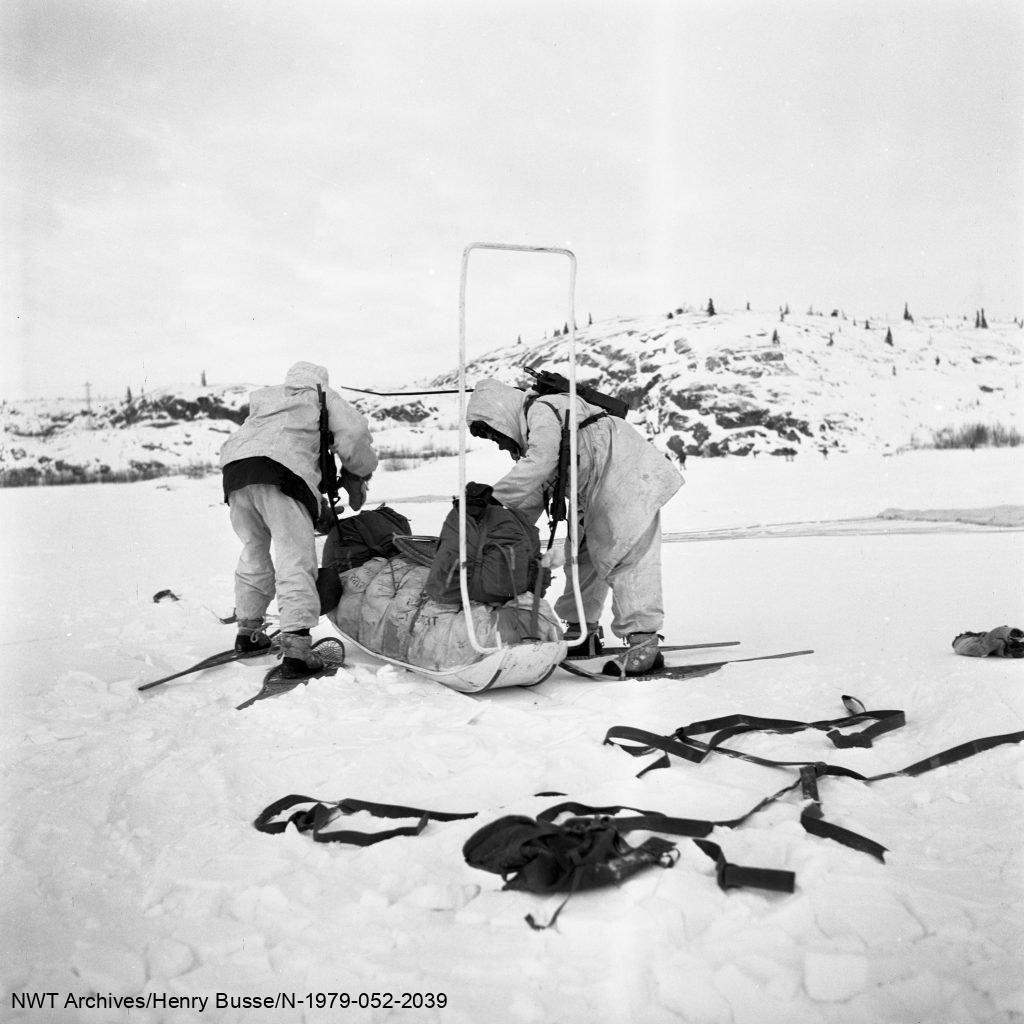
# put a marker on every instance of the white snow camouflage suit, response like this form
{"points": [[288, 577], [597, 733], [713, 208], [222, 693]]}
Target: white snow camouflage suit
{"points": [[623, 482], [284, 425]]}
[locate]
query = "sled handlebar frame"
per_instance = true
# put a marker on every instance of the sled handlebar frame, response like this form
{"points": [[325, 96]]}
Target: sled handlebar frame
{"points": [[572, 566]]}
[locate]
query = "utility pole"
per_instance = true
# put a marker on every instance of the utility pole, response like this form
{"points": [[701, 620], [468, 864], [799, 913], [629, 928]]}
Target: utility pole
{"points": [[88, 402]]}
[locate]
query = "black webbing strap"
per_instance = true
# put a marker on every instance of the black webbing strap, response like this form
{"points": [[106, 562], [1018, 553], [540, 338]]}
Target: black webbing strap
{"points": [[530, 399], [640, 742], [953, 754], [735, 876], [313, 819], [651, 821], [682, 743], [734, 725], [813, 821]]}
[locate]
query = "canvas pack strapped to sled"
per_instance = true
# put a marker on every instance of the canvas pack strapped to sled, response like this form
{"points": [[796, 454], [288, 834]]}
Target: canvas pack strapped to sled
{"points": [[502, 552], [353, 542], [358, 538]]}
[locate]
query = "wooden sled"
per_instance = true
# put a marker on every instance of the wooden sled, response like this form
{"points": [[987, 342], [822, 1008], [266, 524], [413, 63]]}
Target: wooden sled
{"points": [[524, 664]]}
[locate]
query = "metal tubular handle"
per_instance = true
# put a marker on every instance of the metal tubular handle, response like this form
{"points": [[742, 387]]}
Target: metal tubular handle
{"points": [[573, 567]]}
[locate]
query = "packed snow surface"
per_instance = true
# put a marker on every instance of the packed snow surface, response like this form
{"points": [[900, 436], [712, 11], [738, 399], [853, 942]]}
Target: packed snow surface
{"points": [[131, 866]]}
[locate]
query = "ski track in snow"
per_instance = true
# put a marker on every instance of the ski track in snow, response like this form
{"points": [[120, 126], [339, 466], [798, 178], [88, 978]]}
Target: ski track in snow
{"points": [[131, 864]]}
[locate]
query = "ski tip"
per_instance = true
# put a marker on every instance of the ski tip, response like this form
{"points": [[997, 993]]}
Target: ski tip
{"points": [[706, 667]]}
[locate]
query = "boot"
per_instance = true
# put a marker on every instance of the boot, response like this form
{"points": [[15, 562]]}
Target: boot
{"points": [[584, 646], [251, 637], [299, 659], [644, 655]]}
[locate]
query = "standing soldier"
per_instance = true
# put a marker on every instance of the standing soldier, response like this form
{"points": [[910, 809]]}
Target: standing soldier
{"points": [[271, 470], [623, 482]]}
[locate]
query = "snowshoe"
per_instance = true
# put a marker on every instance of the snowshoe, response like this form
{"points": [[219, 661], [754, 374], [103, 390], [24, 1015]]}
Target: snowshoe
{"points": [[329, 653]]}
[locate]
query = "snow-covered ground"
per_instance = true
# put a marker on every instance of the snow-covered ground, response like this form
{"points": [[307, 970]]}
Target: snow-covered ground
{"points": [[130, 864]]}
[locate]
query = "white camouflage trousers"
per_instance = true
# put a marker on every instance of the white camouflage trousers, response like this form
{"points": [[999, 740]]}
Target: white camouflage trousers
{"points": [[261, 515], [635, 585]]}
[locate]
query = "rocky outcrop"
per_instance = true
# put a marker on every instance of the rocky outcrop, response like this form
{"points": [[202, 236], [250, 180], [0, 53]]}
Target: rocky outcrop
{"points": [[412, 412], [176, 408]]}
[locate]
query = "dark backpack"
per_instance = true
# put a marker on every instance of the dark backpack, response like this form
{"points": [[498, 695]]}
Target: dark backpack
{"points": [[502, 552], [581, 853], [358, 538], [353, 542], [588, 850], [544, 857]]}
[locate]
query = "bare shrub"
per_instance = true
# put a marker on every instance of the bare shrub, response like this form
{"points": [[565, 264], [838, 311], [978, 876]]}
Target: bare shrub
{"points": [[977, 435]]}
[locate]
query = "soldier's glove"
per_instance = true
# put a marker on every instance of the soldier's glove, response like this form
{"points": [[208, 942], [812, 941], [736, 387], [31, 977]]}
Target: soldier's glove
{"points": [[355, 487]]}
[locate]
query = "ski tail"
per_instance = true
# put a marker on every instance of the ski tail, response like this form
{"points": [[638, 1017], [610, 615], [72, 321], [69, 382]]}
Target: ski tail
{"points": [[682, 671]]}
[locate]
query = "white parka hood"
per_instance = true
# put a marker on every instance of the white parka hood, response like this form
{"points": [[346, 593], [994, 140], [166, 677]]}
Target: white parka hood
{"points": [[306, 375], [500, 407]]}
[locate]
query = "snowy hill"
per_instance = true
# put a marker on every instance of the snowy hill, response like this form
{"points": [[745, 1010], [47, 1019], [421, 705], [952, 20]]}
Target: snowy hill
{"points": [[735, 383], [759, 383]]}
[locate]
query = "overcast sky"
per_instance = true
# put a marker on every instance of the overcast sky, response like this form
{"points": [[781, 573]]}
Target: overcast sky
{"points": [[231, 185]]}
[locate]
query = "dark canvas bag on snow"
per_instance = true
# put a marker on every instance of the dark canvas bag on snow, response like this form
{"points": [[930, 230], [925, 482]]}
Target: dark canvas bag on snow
{"points": [[544, 857], [502, 552], [588, 850]]}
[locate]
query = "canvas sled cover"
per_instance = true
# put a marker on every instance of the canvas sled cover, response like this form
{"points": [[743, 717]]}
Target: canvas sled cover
{"points": [[384, 608]]}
